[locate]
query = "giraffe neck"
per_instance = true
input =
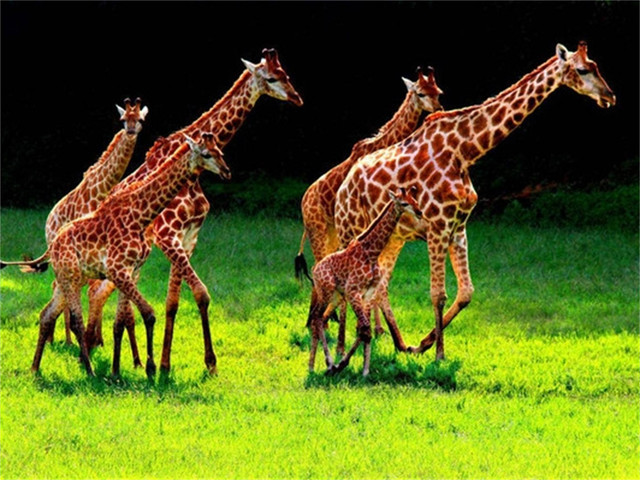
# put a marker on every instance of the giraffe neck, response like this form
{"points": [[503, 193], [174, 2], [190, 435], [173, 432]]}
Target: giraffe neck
{"points": [[114, 161], [376, 236], [403, 124], [473, 131], [151, 195], [223, 121]]}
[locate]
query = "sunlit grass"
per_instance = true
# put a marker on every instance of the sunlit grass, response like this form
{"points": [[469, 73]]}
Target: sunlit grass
{"points": [[541, 380]]}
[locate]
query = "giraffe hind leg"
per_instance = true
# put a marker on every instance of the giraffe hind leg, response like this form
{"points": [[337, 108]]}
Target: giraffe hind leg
{"points": [[47, 323]]}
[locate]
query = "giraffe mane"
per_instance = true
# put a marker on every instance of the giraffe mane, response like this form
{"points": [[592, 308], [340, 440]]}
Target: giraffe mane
{"points": [[356, 151], [230, 93], [462, 111], [107, 153]]}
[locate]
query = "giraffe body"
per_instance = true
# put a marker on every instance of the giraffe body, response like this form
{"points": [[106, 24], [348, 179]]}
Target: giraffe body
{"points": [[353, 273], [318, 202], [175, 230], [436, 160], [110, 243]]}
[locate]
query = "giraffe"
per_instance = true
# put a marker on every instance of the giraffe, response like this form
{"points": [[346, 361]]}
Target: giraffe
{"points": [[353, 273], [175, 230], [436, 159], [110, 243], [96, 184], [318, 202]]}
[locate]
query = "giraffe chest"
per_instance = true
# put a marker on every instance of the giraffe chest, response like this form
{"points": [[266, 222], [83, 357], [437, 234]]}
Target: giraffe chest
{"points": [[188, 208]]}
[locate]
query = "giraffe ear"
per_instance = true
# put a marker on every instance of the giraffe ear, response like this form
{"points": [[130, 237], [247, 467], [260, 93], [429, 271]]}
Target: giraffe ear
{"points": [[409, 84], [121, 111], [249, 66], [562, 52], [193, 145], [143, 112], [393, 196]]}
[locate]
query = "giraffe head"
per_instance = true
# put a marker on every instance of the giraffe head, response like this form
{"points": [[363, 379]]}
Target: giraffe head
{"points": [[206, 155], [405, 202], [271, 78], [132, 115], [426, 90], [582, 75]]}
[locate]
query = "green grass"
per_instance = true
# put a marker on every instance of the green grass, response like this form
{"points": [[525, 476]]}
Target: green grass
{"points": [[541, 380]]}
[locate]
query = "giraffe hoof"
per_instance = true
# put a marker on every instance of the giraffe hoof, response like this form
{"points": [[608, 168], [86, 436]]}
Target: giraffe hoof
{"points": [[151, 369], [332, 371], [380, 331]]}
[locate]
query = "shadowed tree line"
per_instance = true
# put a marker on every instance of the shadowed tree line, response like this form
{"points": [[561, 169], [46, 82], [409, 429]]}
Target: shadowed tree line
{"points": [[65, 65]]}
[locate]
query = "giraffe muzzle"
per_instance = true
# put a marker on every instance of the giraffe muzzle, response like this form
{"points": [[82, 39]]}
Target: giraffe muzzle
{"points": [[225, 172], [607, 100]]}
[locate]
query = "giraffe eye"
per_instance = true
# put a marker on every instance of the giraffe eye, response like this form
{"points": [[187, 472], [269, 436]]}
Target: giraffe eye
{"points": [[582, 71], [422, 95], [271, 80]]}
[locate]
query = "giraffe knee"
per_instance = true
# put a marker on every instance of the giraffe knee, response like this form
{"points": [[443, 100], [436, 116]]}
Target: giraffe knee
{"points": [[438, 298], [75, 322], [464, 297], [149, 319], [202, 297]]}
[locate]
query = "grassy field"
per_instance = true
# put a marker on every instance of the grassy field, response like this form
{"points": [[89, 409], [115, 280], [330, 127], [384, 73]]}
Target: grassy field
{"points": [[541, 379]]}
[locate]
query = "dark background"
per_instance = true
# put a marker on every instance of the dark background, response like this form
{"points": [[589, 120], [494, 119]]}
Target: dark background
{"points": [[65, 64]]}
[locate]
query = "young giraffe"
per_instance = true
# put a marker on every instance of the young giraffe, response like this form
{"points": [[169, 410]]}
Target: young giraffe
{"points": [[318, 202], [353, 273], [436, 159], [96, 184], [110, 243], [175, 230]]}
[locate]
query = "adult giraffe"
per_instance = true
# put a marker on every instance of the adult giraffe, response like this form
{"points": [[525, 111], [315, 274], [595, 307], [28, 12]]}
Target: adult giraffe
{"points": [[318, 202], [436, 159], [175, 230], [97, 182], [110, 243]]}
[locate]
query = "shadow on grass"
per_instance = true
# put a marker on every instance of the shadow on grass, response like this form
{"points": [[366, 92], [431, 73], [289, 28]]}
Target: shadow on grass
{"points": [[392, 369], [387, 369], [163, 387]]}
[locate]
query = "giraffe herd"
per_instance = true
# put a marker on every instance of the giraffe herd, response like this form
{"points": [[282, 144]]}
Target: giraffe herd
{"points": [[408, 182]]}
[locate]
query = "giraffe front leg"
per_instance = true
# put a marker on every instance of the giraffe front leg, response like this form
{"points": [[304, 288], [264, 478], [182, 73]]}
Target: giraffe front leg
{"points": [[386, 264], [99, 293], [364, 336], [342, 326], [124, 320], [171, 310], [460, 264], [127, 286], [437, 259], [178, 252]]}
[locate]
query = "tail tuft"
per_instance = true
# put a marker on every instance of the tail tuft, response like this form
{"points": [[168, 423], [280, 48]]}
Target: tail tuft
{"points": [[301, 268]]}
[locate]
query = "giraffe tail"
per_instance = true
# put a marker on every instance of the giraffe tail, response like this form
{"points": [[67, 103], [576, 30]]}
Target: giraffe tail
{"points": [[300, 263], [38, 265]]}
